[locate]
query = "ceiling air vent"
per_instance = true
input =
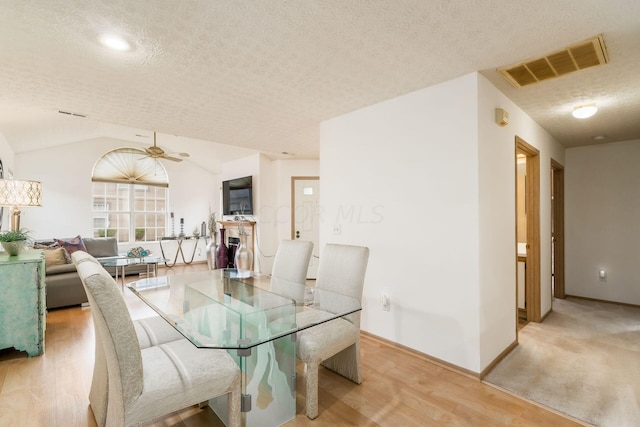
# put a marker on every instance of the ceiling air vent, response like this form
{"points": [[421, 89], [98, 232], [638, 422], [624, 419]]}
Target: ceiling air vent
{"points": [[579, 56]]}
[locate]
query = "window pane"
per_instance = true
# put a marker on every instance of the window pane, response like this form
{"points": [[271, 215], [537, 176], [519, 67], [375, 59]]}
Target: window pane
{"points": [[113, 217]]}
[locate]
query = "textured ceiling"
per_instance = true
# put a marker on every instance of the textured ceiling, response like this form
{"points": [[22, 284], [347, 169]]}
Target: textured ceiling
{"points": [[263, 74]]}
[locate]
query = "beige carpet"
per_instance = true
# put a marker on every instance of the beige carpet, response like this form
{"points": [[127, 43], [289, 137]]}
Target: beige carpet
{"points": [[583, 360]]}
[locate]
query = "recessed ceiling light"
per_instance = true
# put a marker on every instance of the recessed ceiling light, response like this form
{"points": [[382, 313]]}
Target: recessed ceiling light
{"points": [[599, 137], [584, 111], [114, 42]]}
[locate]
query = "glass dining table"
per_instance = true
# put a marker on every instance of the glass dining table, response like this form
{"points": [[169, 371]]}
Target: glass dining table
{"points": [[254, 319]]}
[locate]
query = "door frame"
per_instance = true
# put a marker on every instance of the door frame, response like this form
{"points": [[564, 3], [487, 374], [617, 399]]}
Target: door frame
{"points": [[532, 203], [557, 230]]}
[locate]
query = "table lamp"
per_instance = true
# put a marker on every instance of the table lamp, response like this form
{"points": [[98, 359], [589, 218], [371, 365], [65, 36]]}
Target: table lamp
{"points": [[17, 193]]}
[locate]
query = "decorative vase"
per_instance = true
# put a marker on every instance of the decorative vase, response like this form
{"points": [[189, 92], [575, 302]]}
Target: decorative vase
{"points": [[14, 248], [222, 252], [244, 257], [210, 251]]}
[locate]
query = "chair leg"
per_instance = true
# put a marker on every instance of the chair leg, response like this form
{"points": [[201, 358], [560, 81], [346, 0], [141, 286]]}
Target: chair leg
{"points": [[347, 363], [98, 395], [311, 395]]}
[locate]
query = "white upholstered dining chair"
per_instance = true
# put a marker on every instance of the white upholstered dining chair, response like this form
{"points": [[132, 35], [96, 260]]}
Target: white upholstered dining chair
{"points": [[145, 383], [150, 331], [335, 344], [290, 266]]}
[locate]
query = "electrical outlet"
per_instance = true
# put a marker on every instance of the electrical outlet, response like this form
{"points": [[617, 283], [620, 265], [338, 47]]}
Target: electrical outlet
{"points": [[602, 275], [386, 304]]}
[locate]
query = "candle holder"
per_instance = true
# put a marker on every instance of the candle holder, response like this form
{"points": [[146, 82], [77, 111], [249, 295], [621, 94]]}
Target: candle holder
{"points": [[181, 228]]}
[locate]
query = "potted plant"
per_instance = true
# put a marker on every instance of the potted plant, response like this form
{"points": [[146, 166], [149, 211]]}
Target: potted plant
{"points": [[14, 242]]}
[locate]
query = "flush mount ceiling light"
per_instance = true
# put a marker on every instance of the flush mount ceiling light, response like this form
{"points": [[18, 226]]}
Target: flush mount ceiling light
{"points": [[114, 42], [584, 111]]}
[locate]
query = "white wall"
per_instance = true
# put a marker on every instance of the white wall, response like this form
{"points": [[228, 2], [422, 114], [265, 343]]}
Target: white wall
{"points": [[400, 177], [65, 173], [7, 156], [497, 181], [427, 181], [602, 209]]}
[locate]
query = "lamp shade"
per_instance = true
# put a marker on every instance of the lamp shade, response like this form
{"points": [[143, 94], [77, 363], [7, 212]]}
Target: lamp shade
{"points": [[14, 192]]}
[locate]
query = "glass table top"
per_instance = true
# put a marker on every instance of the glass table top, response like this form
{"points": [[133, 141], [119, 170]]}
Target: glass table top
{"points": [[218, 309], [126, 261]]}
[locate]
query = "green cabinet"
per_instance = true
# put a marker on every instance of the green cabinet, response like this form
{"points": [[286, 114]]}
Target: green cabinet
{"points": [[22, 302]]}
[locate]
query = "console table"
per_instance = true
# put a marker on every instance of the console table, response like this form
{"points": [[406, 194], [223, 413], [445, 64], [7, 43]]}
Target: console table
{"points": [[22, 305], [180, 240]]}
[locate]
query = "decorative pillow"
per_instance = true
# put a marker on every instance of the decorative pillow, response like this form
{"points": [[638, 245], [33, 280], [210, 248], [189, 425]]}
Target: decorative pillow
{"points": [[55, 257], [48, 246], [72, 244]]}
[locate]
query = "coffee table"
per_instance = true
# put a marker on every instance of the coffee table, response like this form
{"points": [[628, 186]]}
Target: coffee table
{"points": [[122, 262]]}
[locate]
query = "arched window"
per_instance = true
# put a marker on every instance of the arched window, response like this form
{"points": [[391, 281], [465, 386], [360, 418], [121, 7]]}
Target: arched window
{"points": [[130, 192]]}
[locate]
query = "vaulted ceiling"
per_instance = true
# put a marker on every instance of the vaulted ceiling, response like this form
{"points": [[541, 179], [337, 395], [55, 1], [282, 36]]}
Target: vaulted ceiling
{"points": [[232, 76]]}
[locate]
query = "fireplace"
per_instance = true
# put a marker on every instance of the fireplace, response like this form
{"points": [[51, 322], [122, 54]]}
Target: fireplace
{"points": [[232, 246]]}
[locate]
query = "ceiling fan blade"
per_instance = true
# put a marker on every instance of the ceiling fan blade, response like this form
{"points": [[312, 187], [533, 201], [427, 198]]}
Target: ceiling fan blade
{"points": [[179, 154], [173, 159]]}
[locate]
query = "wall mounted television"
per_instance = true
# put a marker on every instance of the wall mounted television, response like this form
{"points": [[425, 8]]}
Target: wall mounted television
{"points": [[237, 196]]}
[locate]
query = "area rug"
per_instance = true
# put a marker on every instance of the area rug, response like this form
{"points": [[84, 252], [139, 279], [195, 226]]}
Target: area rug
{"points": [[583, 360]]}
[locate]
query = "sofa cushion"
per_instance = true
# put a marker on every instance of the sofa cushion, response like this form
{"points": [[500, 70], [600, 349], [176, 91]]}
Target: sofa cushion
{"points": [[72, 244], [100, 247], [57, 256], [60, 269]]}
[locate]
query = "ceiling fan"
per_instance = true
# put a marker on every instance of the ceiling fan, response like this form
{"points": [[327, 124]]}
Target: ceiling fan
{"points": [[156, 152]]}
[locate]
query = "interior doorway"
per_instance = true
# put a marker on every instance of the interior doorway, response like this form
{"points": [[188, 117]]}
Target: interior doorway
{"points": [[521, 236], [305, 215], [557, 229], [528, 251]]}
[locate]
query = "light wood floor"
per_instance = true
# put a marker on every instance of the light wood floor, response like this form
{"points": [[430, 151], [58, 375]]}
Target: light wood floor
{"points": [[399, 388]]}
